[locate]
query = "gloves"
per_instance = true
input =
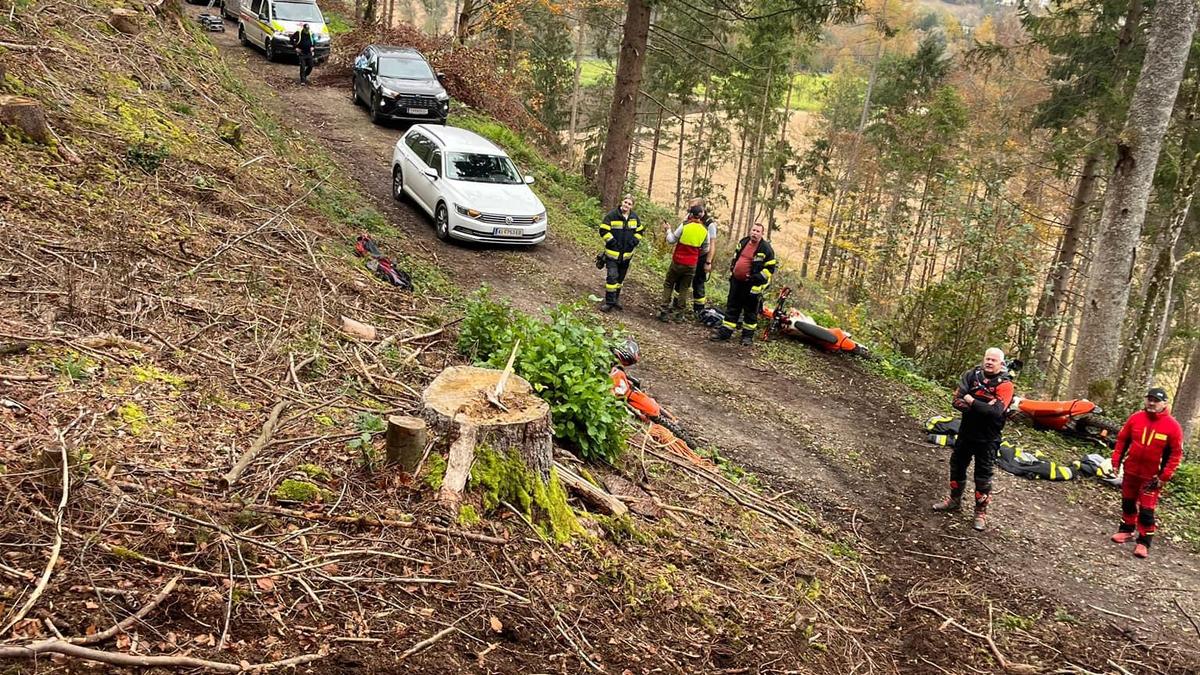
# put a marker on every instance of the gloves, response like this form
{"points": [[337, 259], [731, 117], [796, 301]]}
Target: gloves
{"points": [[1153, 484], [600, 261]]}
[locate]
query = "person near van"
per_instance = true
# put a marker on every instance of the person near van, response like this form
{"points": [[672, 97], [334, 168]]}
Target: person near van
{"points": [[1150, 445], [691, 241], [621, 231], [303, 42], [704, 265], [750, 272]]}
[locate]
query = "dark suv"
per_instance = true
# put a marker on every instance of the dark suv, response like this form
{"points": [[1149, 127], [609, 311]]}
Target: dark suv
{"points": [[396, 83]]}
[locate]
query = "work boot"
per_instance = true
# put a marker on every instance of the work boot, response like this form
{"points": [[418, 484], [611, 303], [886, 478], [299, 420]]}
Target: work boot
{"points": [[981, 505], [953, 502], [747, 338], [618, 306], [722, 334], [678, 316], [1123, 537], [605, 307], [1141, 551], [664, 316]]}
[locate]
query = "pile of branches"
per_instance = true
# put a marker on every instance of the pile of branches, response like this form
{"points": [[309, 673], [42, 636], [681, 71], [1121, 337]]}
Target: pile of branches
{"points": [[472, 74]]}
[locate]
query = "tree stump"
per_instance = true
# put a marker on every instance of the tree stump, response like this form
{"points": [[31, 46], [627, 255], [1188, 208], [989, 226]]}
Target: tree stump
{"points": [[459, 414], [27, 116], [125, 21], [405, 441]]}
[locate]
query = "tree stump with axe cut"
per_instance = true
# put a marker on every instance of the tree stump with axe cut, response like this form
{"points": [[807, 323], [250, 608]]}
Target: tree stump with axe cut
{"points": [[460, 408]]}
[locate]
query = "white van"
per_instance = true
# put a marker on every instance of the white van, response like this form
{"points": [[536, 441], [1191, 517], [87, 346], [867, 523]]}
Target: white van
{"points": [[270, 24]]}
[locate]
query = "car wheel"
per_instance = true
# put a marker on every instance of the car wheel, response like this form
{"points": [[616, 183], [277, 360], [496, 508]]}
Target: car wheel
{"points": [[398, 184], [441, 223], [376, 118], [242, 36], [354, 98], [269, 49]]}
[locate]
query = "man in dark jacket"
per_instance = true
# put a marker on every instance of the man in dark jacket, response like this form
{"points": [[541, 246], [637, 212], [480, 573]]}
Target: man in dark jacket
{"points": [[983, 395], [1151, 447], [303, 42], [750, 272], [621, 231]]}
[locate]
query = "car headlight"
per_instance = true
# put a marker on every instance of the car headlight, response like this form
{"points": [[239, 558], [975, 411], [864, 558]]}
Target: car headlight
{"points": [[463, 211], [388, 93], [443, 97], [539, 217]]}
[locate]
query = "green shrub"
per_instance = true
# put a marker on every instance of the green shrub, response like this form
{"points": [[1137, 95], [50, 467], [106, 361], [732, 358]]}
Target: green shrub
{"points": [[1184, 487], [565, 359], [146, 155]]}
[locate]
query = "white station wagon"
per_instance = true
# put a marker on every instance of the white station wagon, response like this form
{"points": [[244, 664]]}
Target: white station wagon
{"points": [[471, 188]]}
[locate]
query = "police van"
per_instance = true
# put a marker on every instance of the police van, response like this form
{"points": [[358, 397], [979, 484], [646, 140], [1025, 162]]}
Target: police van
{"points": [[270, 25]]}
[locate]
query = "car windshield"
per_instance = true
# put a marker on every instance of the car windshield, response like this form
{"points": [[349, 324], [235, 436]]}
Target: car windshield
{"points": [[480, 168], [405, 69], [298, 11]]}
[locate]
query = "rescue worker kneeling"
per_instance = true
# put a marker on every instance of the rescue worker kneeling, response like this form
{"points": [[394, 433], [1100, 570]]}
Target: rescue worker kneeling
{"points": [[750, 273]]}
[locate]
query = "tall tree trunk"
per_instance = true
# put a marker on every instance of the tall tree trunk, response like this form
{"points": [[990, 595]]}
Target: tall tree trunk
{"points": [[1054, 296], [614, 161], [1187, 398], [737, 184], [679, 160], [700, 138], [575, 91], [654, 154], [1173, 24], [812, 227], [756, 166]]}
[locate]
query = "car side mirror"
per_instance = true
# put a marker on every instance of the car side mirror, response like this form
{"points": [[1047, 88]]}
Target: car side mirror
{"points": [[441, 76], [431, 173], [528, 179], [262, 17]]}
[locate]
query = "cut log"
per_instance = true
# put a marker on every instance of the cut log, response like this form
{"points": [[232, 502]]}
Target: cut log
{"points": [[27, 116], [405, 441], [125, 20], [590, 493], [358, 329], [458, 414]]}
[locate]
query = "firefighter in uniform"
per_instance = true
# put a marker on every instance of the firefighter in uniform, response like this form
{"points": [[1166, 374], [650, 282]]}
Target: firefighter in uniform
{"points": [[621, 231], [1151, 447], [691, 242], [704, 265], [983, 395], [750, 272]]}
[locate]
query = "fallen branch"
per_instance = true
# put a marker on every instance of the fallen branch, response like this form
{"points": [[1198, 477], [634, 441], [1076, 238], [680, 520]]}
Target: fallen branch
{"points": [[590, 493], [1189, 616], [58, 539], [56, 646], [12, 377], [1117, 614], [129, 621], [264, 437], [1004, 663], [426, 643]]}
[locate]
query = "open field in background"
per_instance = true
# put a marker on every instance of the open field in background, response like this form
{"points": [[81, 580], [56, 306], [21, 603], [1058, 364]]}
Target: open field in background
{"points": [[791, 225]]}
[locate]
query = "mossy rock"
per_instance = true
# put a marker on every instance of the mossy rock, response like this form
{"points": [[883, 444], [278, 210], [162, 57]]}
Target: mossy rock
{"points": [[300, 491]]}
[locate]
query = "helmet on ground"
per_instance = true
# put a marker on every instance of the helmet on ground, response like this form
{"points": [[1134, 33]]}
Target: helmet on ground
{"points": [[628, 353]]}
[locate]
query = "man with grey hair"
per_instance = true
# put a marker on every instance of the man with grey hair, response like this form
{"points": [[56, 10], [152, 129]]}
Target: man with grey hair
{"points": [[983, 395]]}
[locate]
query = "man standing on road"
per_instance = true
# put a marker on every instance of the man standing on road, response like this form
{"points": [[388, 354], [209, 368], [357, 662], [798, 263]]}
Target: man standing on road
{"points": [[621, 231], [303, 42], [983, 395], [1151, 447], [750, 272], [704, 265], [691, 242]]}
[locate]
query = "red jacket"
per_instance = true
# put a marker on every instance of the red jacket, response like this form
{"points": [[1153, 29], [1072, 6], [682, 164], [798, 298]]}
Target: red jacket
{"points": [[1150, 445]]}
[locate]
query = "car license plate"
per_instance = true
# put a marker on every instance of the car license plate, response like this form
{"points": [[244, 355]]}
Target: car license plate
{"points": [[507, 232], [418, 111]]}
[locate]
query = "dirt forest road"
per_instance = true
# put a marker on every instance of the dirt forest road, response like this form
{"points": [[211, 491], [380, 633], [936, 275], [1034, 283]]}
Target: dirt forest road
{"points": [[833, 436]]}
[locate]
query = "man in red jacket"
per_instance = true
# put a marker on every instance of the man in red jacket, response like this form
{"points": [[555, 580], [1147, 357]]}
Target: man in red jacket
{"points": [[1151, 446]]}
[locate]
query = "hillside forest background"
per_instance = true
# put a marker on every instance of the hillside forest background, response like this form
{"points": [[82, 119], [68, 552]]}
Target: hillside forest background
{"points": [[936, 176]]}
